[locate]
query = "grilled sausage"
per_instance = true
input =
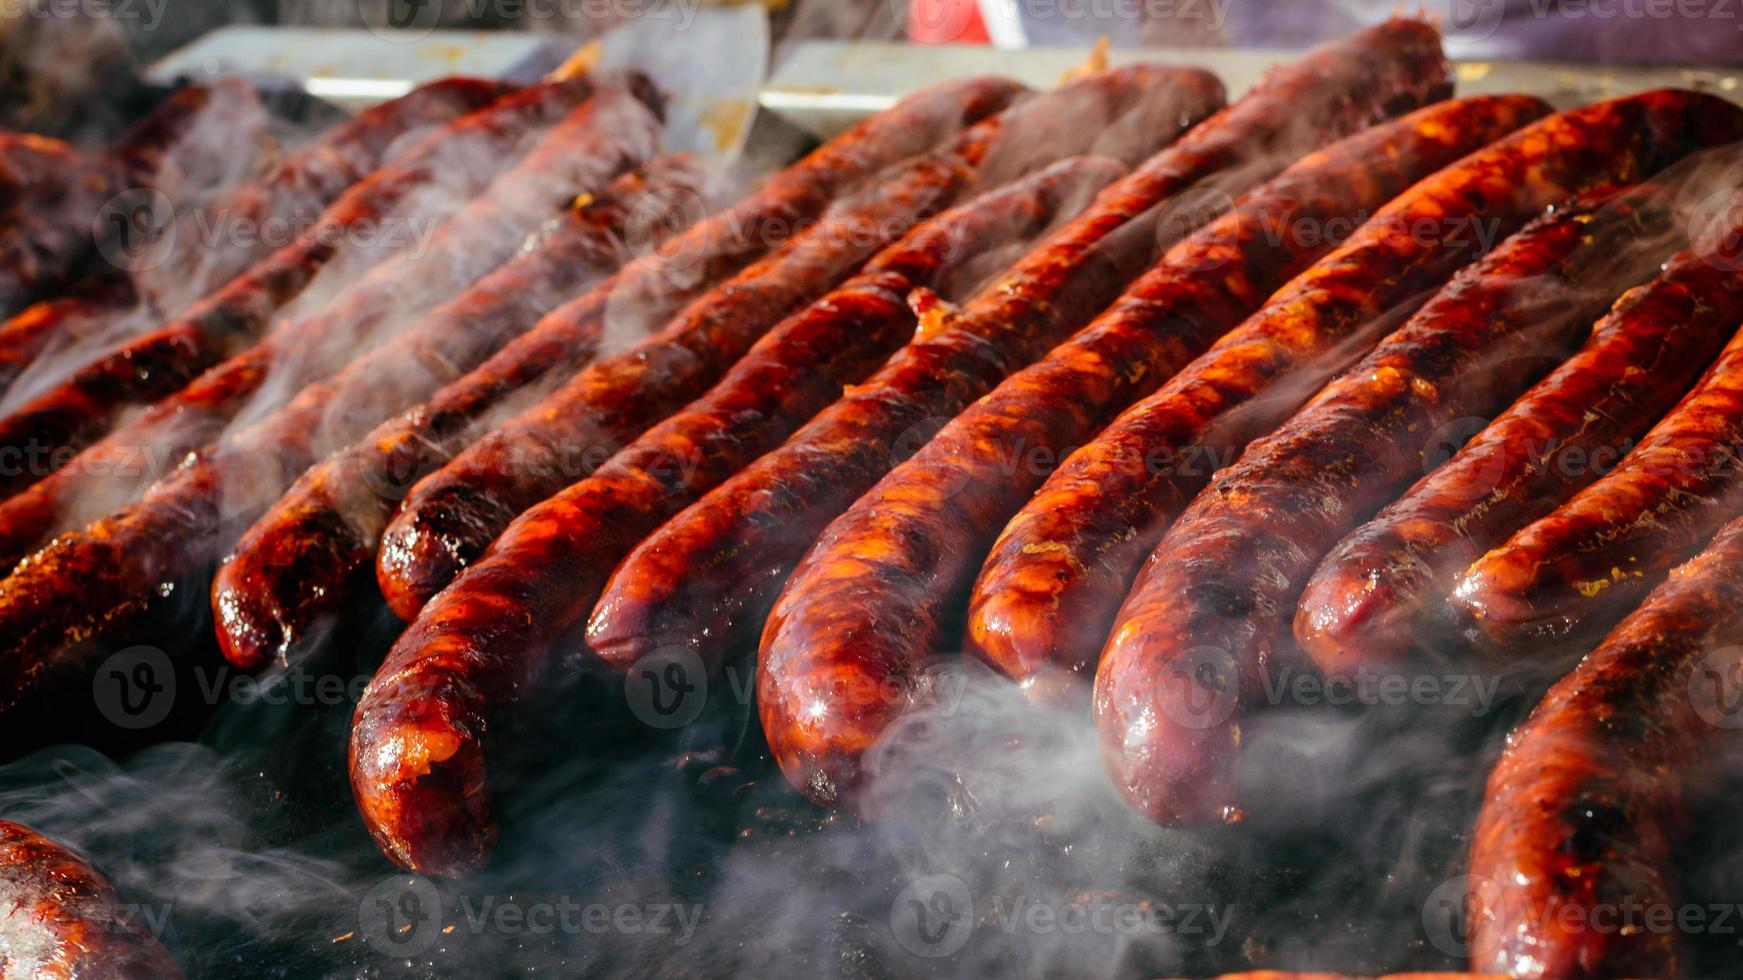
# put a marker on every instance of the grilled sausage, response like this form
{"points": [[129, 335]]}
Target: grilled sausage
{"points": [[195, 141], [168, 538], [709, 573], [1386, 582], [460, 158], [60, 920], [554, 557], [452, 515], [289, 194], [830, 631], [1578, 569], [291, 569], [33, 165], [1015, 622], [1582, 812], [1173, 748], [602, 137], [580, 248]]}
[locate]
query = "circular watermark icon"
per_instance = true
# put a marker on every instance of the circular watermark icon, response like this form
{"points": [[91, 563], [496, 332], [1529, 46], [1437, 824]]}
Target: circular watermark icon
{"points": [[1445, 441], [933, 916], [1715, 229], [1447, 918], [1186, 214], [135, 230], [135, 688], [661, 216], [1202, 689], [1474, 20], [667, 687], [392, 476], [1716, 688], [949, 481], [401, 916], [400, 21]]}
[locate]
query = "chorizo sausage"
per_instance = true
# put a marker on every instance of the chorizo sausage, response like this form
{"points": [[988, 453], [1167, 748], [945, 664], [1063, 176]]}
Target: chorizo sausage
{"points": [[605, 135], [452, 515], [1582, 811], [1576, 570], [290, 570], [706, 577], [554, 557], [459, 158], [165, 540], [291, 193], [60, 920], [1016, 622], [1173, 748], [1387, 582]]}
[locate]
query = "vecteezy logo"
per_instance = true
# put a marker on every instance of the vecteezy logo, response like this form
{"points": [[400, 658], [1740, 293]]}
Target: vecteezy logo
{"points": [[1446, 914], [933, 916], [1201, 689], [135, 230], [400, 916], [392, 477], [135, 688], [1475, 20], [400, 21], [1716, 688], [667, 688], [1715, 229]]}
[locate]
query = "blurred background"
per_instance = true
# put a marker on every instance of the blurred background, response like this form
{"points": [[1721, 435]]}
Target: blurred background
{"points": [[69, 66]]}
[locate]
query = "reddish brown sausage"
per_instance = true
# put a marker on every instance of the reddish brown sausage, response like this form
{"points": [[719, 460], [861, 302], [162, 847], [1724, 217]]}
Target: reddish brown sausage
{"points": [[869, 607], [459, 158], [1578, 569], [33, 165], [1388, 580], [452, 515], [168, 538], [554, 558], [290, 194], [197, 140], [292, 568], [1016, 622], [1173, 748], [605, 135], [831, 631], [708, 574], [1583, 810], [60, 920]]}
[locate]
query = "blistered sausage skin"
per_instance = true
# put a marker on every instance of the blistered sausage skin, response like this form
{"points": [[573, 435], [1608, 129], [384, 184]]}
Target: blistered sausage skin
{"points": [[870, 606], [554, 557], [452, 515], [1581, 816], [60, 920], [194, 142], [292, 192], [164, 541], [1387, 582], [847, 614], [1192, 642], [1573, 572], [707, 576], [1170, 316], [292, 569], [461, 157], [1224, 577], [598, 140]]}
